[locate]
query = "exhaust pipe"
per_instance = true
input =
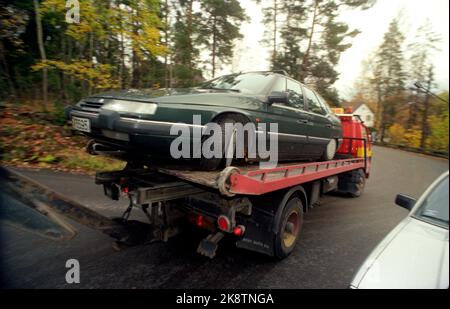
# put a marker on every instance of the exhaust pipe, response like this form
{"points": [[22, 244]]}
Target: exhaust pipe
{"points": [[94, 148]]}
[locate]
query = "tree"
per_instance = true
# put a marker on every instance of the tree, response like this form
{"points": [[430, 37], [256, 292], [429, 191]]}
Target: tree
{"points": [[423, 49], [364, 90], [389, 76], [411, 116], [421, 70], [13, 21], [271, 13], [292, 34], [95, 53], [438, 124], [40, 40], [426, 108], [313, 40], [144, 30], [166, 10], [221, 26], [186, 41], [80, 54]]}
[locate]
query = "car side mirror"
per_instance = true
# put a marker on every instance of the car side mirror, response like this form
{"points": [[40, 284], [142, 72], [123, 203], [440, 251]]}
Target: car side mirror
{"points": [[405, 201], [277, 97]]}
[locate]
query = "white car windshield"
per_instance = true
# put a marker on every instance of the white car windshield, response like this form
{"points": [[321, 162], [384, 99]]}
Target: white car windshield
{"points": [[435, 207]]}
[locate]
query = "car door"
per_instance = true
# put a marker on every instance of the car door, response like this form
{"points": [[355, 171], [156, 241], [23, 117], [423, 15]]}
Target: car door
{"points": [[321, 128], [293, 122]]}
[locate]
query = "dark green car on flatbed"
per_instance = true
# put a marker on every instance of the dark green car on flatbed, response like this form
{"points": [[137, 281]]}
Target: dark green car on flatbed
{"points": [[138, 122]]}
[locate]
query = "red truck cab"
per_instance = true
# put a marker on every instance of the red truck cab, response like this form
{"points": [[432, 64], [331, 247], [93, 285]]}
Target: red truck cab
{"points": [[354, 133]]}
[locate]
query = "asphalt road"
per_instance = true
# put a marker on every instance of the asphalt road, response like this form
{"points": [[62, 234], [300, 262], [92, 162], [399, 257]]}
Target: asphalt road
{"points": [[337, 236]]}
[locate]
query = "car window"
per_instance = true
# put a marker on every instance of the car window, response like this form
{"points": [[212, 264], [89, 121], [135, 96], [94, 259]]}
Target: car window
{"points": [[314, 105], [248, 83], [324, 104], [280, 85], [435, 206], [295, 94]]}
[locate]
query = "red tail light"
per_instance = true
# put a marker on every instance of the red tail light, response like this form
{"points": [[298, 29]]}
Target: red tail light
{"points": [[224, 223], [125, 190], [200, 221], [239, 230]]}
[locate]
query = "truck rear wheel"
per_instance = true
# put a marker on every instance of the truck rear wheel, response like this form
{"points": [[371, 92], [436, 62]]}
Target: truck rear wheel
{"points": [[352, 183], [290, 226]]}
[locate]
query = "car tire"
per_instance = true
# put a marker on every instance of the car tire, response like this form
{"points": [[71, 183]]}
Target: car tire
{"points": [[213, 164], [290, 226], [330, 150]]}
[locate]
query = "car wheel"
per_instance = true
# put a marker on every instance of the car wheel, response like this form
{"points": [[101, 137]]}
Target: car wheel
{"points": [[214, 163], [330, 151]]}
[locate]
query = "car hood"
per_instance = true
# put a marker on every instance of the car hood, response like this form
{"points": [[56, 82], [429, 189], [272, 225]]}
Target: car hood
{"points": [[187, 96], [414, 255]]}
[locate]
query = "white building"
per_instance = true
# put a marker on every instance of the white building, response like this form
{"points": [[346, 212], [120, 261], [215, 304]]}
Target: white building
{"points": [[366, 114]]}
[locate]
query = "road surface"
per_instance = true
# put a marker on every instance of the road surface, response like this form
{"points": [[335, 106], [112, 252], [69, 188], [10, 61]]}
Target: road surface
{"points": [[337, 236]]}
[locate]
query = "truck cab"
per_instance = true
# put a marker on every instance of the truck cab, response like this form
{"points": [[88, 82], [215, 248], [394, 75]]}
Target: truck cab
{"points": [[360, 144]]}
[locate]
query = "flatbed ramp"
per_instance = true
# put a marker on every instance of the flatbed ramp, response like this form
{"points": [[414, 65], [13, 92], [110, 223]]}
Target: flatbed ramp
{"points": [[250, 180]]}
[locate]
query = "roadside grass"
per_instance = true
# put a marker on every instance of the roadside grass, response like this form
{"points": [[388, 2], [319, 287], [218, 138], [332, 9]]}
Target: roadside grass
{"points": [[79, 159], [33, 139]]}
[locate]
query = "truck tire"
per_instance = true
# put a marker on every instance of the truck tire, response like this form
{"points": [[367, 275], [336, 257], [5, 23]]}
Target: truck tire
{"points": [[291, 222], [352, 183], [359, 183]]}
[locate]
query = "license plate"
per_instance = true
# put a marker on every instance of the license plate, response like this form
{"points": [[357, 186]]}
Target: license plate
{"points": [[81, 124]]}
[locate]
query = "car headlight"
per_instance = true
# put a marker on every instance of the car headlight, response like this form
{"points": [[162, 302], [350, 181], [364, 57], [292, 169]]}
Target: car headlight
{"points": [[131, 107]]}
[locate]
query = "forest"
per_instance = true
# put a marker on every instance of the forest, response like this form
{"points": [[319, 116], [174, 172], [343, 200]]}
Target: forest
{"points": [[55, 52]]}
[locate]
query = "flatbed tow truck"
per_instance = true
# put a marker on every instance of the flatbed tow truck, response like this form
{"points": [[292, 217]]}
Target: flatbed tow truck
{"points": [[262, 209]]}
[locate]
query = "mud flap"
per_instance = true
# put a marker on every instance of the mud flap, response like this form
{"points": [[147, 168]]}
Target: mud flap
{"points": [[257, 239]]}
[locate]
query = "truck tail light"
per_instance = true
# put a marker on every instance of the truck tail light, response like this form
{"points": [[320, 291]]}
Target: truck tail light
{"points": [[239, 230], [200, 221], [224, 223]]}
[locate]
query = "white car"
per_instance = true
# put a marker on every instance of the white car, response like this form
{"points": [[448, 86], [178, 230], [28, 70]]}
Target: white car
{"points": [[415, 254]]}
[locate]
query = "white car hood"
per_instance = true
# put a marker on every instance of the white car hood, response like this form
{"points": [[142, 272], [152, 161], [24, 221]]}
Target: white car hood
{"points": [[414, 255]]}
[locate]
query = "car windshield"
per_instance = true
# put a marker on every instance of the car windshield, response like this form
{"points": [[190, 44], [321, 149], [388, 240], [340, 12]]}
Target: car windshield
{"points": [[248, 83], [435, 207]]}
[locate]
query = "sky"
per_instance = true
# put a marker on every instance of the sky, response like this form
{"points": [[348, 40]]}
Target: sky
{"points": [[250, 54]]}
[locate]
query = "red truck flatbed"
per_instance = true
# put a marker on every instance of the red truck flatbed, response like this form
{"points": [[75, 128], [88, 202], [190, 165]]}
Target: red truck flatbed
{"points": [[249, 180]]}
